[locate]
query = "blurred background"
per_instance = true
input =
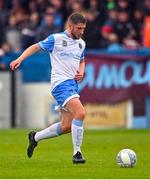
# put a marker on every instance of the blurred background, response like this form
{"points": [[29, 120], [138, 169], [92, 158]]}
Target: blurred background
{"points": [[116, 88]]}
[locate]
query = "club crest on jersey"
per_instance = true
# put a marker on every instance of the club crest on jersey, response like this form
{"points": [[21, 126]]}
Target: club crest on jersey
{"points": [[64, 43], [80, 45]]}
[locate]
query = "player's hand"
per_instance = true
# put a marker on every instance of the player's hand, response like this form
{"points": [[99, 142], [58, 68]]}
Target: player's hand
{"points": [[79, 76], [15, 64]]}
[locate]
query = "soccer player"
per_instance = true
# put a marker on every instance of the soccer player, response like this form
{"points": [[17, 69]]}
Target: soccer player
{"points": [[66, 51]]}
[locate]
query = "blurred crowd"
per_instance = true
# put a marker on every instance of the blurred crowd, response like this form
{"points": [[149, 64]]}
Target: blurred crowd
{"points": [[111, 24]]}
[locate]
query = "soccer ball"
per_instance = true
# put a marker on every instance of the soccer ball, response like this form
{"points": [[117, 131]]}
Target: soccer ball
{"points": [[126, 158]]}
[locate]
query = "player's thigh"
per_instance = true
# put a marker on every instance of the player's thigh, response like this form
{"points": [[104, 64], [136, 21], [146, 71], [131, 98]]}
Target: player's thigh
{"points": [[76, 108]]}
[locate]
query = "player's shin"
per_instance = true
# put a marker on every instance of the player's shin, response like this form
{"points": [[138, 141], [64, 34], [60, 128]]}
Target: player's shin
{"points": [[77, 134]]}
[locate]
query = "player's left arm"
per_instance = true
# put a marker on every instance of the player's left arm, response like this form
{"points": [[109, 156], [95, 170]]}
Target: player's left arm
{"points": [[80, 72]]}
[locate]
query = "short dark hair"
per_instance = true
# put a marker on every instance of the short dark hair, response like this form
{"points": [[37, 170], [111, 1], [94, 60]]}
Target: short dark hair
{"points": [[76, 18]]}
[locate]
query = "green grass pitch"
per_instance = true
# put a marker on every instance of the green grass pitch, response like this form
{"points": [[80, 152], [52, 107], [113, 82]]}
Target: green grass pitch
{"points": [[53, 157]]}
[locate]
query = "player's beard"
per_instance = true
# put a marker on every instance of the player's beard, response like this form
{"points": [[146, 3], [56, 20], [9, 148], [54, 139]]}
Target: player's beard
{"points": [[75, 36]]}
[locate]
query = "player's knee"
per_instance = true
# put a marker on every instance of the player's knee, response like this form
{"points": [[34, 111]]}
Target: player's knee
{"points": [[81, 114]]}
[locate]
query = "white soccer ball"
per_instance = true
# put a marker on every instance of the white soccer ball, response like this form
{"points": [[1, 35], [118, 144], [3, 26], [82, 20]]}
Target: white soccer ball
{"points": [[126, 158]]}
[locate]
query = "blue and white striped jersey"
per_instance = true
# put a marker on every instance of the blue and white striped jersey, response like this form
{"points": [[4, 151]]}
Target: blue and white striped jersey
{"points": [[65, 54]]}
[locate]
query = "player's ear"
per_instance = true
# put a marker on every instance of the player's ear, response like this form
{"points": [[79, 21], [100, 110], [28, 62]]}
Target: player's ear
{"points": [[69, 25]]}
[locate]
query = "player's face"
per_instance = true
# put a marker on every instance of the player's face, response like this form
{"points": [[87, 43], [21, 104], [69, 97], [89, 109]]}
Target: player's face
{"points": [[77, 30]]}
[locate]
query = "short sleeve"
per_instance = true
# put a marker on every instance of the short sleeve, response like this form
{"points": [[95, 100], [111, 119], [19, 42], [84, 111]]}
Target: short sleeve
{"points": [[83, 55], [47, 44]]}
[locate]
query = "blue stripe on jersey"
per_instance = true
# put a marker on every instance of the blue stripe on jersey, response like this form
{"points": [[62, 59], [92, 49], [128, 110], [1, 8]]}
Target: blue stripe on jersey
{"points": [[48, 43], [82, 55]]}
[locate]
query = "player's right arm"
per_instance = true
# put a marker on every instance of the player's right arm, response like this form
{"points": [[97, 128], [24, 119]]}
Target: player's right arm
{"points": [[28, 52]]}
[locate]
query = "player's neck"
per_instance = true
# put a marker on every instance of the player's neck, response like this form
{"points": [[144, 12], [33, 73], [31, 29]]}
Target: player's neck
{"points": [[68, 33]]}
